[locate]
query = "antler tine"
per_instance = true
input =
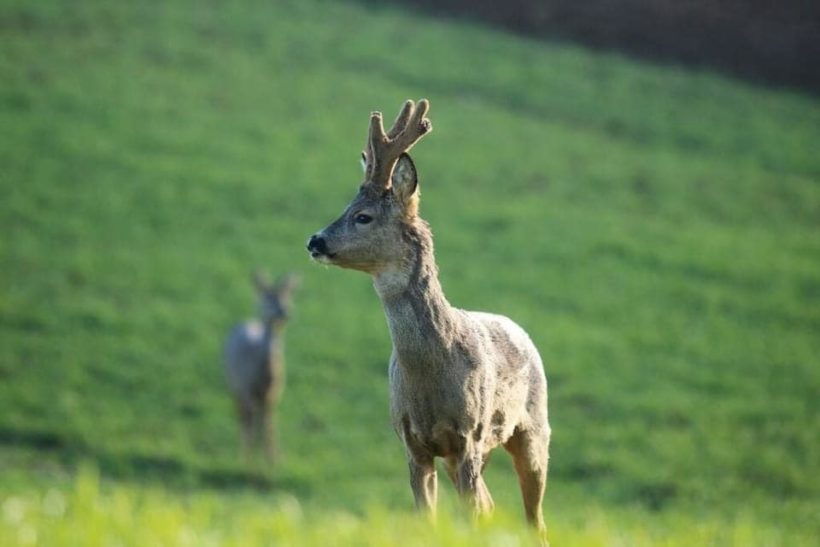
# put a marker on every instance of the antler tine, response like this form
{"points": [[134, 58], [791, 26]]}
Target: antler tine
{"points": [[375, 139], [384, 149], [416, 127], [401, 119]]}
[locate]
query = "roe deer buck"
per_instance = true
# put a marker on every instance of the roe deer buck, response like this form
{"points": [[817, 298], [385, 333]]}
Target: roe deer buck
{"points": [[461, 382], [255, 366]]}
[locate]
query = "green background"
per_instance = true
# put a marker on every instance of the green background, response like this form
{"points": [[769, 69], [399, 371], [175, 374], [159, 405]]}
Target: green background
{"points": [[654, 229]]}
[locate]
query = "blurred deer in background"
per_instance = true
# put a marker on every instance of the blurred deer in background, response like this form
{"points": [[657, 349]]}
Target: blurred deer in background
{"points": [[461, 382], [255, 366]]}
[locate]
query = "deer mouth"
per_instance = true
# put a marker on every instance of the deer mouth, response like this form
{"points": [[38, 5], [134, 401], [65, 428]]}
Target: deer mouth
{"points": [[317, 247], [322, 257]]}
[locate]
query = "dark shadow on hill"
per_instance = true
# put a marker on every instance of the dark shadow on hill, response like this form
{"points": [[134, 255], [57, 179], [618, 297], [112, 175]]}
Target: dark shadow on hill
{"points": [[168, 471], [40, 440], [521, 102], [766, 42]]}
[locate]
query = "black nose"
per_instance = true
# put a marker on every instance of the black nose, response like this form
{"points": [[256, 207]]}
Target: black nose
{"points": [[317, 245]]}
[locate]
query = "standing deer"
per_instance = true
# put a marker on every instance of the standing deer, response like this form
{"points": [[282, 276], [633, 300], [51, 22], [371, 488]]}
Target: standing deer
{"points": [[461, 382], [255, 366]]}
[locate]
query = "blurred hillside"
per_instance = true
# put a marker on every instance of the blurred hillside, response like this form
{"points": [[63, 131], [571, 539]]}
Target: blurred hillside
{"points": [[762, 40], [654, 229]]}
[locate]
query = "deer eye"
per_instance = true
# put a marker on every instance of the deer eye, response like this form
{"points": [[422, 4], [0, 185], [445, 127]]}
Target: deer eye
{"points": [[361, 218]]}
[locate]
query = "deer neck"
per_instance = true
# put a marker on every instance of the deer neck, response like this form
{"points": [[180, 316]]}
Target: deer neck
{"points": [[270, 334], [422, 322]]}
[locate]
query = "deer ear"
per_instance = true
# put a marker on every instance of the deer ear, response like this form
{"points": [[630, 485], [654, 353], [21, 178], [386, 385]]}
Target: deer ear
{"points": [[261, 280], [286, 285], [405, 180], [364, 162]]}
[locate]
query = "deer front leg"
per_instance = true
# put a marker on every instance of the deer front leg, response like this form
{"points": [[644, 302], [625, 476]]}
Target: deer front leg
{"points": [[245, 414], [485, 500], [424, 483], [471, 485], [269, 435]]}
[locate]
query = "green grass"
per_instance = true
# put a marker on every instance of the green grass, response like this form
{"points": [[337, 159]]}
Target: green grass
{"points": [[654, 229], [88, 513]]}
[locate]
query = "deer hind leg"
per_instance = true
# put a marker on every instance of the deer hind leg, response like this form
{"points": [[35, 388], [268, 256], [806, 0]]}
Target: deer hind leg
{"points": [[530, 453], [424, 483]]}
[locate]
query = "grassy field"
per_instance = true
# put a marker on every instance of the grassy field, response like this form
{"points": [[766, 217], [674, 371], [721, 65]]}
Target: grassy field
{"points": [[655, 230]]}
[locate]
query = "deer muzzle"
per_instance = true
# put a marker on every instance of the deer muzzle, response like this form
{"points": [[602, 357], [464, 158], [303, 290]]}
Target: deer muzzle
{"points": [[317, 247]]}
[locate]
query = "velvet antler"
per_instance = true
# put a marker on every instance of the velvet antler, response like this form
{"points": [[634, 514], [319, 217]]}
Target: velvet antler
{"points": [[384, 149]]}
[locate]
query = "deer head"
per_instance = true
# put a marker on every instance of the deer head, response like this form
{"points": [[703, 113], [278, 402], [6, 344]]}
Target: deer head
{"points": [[274, 298], [368, 235]]}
